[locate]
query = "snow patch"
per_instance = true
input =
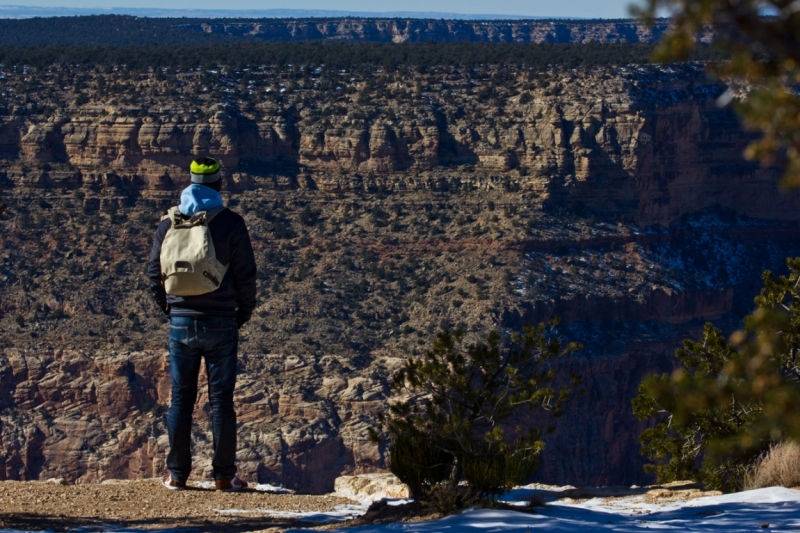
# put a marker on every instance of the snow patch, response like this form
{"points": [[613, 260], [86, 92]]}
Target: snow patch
{"points": [[339, 514], [774, 509], [261, 487]]}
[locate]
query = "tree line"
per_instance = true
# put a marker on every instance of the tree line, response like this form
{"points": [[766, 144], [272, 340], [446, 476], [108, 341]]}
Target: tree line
{"points": [[126, 30], [349, 56]]}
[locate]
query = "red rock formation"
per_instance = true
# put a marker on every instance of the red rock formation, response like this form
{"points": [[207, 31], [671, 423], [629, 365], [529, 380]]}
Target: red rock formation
{"points": [[86, 417]]}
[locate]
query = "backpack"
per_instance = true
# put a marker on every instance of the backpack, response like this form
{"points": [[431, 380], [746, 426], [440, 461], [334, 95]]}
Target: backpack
{"points": [[189, 265]]}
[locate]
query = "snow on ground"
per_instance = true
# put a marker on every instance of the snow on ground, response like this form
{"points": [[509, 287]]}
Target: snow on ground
{"points": [[261, 487], [772, 509], [340, 514]]}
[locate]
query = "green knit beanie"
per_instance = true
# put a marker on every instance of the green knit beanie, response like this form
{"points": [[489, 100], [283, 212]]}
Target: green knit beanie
{"points": [[205, 170]]}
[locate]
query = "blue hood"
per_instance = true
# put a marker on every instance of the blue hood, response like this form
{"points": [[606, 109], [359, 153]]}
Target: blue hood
{"points": [[196, 198]]}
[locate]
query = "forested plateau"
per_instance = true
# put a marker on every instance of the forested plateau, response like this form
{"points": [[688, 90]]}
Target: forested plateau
{"points": [[384, 205], [122, 30]]}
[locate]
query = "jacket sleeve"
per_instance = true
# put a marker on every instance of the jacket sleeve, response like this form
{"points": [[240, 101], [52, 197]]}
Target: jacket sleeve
{"points": [[244, 271], [154, 268]]}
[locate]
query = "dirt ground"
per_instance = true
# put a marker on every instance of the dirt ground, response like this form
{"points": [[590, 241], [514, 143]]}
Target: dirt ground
{"points": [[148, 505]]}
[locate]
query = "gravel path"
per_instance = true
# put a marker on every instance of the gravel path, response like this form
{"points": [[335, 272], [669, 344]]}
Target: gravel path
{"points": [[147, 505]]}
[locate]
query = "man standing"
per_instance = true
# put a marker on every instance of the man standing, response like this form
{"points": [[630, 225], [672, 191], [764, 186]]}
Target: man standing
{"points": [[205, 313]]}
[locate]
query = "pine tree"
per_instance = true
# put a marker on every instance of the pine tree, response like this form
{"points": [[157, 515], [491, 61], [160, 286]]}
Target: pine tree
{"points": [[730, 400], [764, 55], [466, 413]]}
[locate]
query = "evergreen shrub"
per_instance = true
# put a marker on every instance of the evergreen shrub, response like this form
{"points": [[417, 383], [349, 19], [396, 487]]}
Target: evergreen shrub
{"points": [[466, 410], [731, 399]]}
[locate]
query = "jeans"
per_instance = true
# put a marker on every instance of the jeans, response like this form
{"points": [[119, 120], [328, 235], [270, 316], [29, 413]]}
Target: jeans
{"points": [[216, 340]]}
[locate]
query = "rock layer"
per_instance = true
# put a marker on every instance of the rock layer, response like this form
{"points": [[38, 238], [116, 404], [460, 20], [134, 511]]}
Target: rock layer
{"points": [[440, 31], [381, 212], [650, 145], [89, 417]]}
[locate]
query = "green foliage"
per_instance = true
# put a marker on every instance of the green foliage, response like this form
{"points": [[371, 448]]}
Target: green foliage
{"points": [[678, 448], [730, 400], [763, 52], [495, 473], [417, 461], [466, 413]]}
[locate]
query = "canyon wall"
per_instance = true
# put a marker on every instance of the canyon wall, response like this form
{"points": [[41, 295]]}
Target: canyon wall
{"points": [[652, 146], [440, 31], [108, 419], [381, 211], [131, 31]]}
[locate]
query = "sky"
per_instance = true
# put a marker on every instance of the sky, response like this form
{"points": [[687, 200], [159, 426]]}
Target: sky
{"points": [[538, 8]]}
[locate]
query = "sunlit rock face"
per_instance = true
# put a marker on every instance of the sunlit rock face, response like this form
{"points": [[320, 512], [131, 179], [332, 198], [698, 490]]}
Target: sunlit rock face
{"points": [[107, 419], [380, 212], [649, 144]]}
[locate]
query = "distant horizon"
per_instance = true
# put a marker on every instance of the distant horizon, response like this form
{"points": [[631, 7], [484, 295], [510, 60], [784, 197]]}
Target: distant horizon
{"points": [[21, 12], [27, 11]]}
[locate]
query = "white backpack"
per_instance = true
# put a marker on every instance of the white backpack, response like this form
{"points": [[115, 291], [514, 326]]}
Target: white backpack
{"points": [[189, 265]]}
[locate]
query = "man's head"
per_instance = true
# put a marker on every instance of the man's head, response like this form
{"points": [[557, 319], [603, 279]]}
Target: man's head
{"points": [[205, 171]]}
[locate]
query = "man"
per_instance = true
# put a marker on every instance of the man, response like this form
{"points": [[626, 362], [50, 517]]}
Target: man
{"points": [[204, 325]]}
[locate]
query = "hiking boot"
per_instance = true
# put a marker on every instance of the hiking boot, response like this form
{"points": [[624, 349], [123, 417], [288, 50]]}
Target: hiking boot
{"points": [[231, 485], [171, 484]]}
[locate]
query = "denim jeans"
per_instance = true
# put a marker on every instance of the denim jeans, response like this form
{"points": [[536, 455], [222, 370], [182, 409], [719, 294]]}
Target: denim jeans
{"points": [[215, 340]]}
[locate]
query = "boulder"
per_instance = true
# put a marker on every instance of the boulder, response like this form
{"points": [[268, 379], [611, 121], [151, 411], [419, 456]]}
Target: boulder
{"points": [[371, 487]]}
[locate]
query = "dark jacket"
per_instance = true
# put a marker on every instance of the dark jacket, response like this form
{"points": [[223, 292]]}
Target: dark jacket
{"points": [[236, 295]]}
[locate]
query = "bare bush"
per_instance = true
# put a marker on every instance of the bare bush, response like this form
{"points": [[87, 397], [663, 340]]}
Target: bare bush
{"points": [[780, 466]]}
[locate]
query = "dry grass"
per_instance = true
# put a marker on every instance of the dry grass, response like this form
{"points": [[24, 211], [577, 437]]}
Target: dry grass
{"points": [[780, 466]]}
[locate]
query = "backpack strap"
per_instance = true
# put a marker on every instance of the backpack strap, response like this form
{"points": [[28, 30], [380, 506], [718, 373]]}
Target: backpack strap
{"points": [[174, 215], [214, 212], [201, 217]]}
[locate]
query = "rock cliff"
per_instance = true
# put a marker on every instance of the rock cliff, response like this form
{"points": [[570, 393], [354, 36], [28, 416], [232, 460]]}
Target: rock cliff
{"points": [[440, 31], [382, 209], [133, 31], [86, 417], [646, 143]]}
